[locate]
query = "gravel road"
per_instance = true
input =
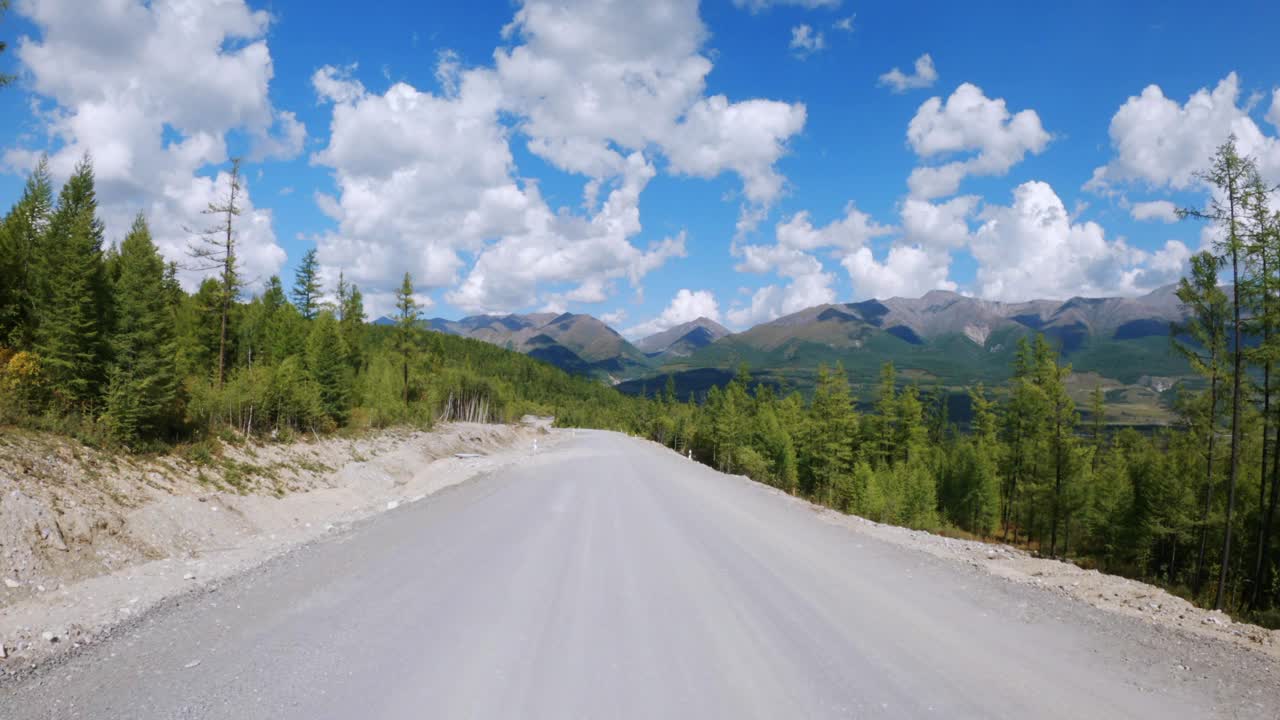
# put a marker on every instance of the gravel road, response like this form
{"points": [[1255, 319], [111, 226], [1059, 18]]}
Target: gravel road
{"points": [[611, 578]]}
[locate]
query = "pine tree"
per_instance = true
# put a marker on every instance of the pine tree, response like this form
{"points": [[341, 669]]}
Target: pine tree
{"points": [[406, 322], [22, 239], [215, 250], [70, 336], [1232, 176], [306, 286], [143, 375]]}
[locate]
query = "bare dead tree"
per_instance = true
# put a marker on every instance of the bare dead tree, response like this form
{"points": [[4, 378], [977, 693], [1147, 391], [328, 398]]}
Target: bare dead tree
{"points": [[214, 248]]}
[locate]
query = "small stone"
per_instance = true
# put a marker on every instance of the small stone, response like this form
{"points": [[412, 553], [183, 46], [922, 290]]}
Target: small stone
{"points": [[49, 636], [11, 583], [393, 504], [189, 576], [191, 664]]}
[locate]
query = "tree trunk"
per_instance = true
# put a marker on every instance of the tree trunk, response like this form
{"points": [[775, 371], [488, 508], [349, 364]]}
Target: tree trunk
{"points": [[1057, 482], [1264, 529], [1208, 483], [1238, 364]]}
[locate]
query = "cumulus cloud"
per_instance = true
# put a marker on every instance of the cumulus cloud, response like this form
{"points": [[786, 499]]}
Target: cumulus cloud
{"points": [[593, 82], [908, 271], [969, 122], [1273, 115], [938, 225], [850, 232], [156, 128], [805, 42], [1159, 142], [773, 301], [1031, 249], [844, 24], [925, 75], [791, 256], [685, 306], [427, 181], [1156, 210]]}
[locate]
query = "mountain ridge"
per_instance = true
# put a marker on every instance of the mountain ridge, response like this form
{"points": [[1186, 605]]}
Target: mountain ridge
{"points": [[951, 337]]}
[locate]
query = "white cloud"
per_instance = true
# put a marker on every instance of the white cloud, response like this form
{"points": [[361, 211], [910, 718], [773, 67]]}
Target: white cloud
{"points": [[969, 122], [908, 271], [844, 24], [424, 179], [617, 317], [685, 306], [156, 127], [938, 225], [1273, 116], [773, 301], [747, 137], [756, 6], [1031, 249], [593, 82], [805, 42], [925, 75], [1156, 210], [791, 257], [428, 182], [1161, 143], [850, 232]]}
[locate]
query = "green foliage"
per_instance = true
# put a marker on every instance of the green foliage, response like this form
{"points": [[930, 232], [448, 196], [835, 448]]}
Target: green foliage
{"points": [[326, 361], [306, 286], [74, 307], [142, 386]]}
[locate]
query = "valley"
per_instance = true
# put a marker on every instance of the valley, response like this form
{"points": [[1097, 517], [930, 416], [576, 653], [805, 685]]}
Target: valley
{"points": [[944, 342]]}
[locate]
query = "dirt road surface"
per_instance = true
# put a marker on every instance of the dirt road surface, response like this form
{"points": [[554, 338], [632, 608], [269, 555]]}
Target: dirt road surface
{"points": [[611, 578]]}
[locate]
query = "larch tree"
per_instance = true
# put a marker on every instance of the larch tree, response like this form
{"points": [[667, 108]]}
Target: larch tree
{"points": [[1264, 253], [406, 322], [1061, 419], [142, 379], [306, 286], [1202, 340], [214, 249], [1230, 176]]}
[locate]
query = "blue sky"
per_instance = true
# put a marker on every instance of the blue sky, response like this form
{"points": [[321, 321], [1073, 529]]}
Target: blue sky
{"points": [[741, 175]]}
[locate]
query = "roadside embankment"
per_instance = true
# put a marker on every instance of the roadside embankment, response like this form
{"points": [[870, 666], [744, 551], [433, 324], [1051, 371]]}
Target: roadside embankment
{"points": [[91, 539]]}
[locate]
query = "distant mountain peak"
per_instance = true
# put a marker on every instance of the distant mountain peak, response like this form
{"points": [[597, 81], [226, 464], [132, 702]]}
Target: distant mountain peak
{"points": [[683, 339]]}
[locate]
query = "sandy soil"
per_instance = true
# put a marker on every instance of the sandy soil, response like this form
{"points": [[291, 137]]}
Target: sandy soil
{"points": [[91, 540]]}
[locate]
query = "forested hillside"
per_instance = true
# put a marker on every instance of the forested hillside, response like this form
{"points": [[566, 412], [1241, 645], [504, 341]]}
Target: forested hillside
{"points": [[101, 341], [1192, 506]]}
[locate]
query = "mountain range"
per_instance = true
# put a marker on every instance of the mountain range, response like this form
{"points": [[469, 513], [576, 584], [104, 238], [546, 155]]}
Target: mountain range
{"points": [[942, 338]]}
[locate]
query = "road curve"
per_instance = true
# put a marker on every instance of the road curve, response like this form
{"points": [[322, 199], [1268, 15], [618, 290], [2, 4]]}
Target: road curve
{"points": [[609, 578]]}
